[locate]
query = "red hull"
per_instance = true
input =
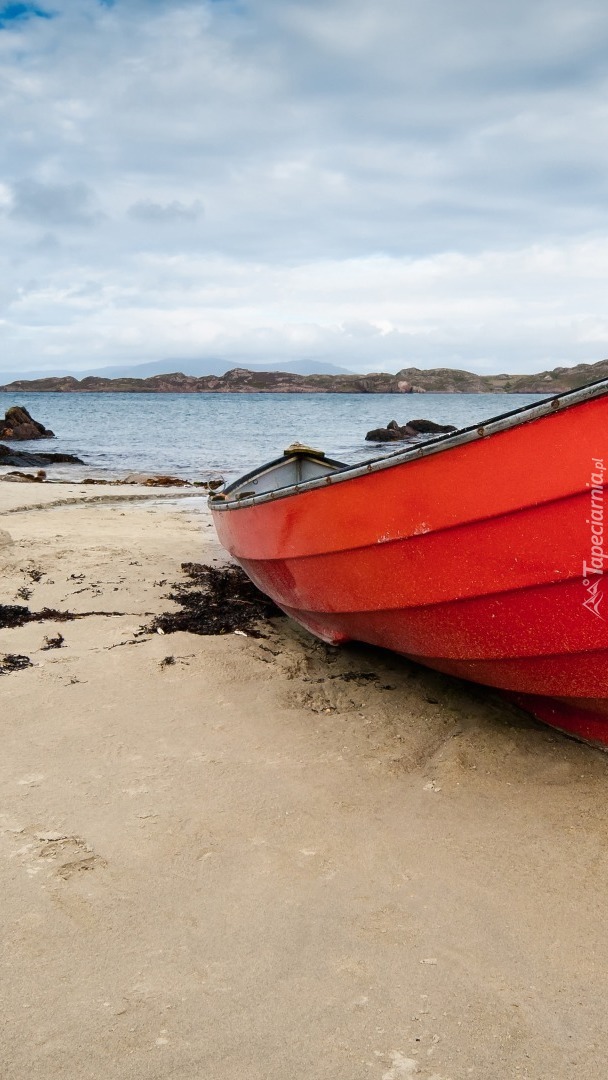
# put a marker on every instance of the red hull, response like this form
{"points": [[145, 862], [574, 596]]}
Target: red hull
{"points": [[480, 557]]}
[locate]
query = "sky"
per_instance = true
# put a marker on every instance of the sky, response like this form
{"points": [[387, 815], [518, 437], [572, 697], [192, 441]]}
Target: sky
{"points": [[375, 183]]}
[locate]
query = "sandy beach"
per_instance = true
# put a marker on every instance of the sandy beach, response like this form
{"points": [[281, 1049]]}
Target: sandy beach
{"points": [[269, 859]]}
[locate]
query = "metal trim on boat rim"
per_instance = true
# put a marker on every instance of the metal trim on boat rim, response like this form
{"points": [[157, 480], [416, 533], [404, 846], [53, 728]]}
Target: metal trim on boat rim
{"points": [[503, 422]]}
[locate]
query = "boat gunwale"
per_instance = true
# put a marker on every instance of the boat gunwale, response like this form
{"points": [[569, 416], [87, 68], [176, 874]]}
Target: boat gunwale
{"points": [[442, 443]]}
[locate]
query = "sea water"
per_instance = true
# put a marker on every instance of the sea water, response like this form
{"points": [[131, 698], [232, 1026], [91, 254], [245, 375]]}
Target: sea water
{"points": [[196, 435]]}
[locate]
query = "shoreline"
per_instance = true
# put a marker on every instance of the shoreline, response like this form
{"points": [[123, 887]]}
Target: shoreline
{"points": [[200, 436], [83, 495], [271, 858], [25, 389]]}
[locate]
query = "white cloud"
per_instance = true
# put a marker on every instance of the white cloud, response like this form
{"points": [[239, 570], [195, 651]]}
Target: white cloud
{"points": [[377, 184], [161, 214]]}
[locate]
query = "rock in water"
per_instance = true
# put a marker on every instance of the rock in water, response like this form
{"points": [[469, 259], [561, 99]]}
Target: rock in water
{"points": [[429, 427], [395, 433], [18, 459], [384, 434], [19, 425]]}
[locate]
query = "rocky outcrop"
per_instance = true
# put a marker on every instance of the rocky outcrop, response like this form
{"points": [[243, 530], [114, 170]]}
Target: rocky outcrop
{"points": [[406, 381], [428, 427], [19, 425], [454, 381], [393, 432], [19, 459], [236, 381]]}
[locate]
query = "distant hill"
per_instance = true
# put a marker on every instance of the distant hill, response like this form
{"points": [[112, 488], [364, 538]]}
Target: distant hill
{"points": [[249, 381], [453, 381], [213, 366], [208, 365]]}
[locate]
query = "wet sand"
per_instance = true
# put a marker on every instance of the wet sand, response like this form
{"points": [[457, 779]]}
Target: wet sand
{"points": [[270, 859]]}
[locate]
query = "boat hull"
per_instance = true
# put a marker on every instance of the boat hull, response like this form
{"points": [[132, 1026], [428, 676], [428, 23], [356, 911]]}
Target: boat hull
{"points": [[483, 561]]}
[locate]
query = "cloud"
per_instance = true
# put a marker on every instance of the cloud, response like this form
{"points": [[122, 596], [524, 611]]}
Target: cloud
{"points": [[484, 312], [378, 184], [158, 213], [54, 204]]}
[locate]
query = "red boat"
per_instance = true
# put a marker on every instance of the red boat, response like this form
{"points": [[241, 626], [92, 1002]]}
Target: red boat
{"points": [[480, 554]]}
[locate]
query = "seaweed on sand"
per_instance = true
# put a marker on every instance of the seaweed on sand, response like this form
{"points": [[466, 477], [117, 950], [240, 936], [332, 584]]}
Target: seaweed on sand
{"points": [[12, 615], [215, 600], [13, 662], [56, 642]]}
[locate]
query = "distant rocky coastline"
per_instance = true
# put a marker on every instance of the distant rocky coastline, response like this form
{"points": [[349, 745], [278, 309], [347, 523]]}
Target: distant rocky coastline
{"points": [[406, 381]]}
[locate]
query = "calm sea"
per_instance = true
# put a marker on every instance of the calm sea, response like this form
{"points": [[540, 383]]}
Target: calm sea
{"points": [[194, 435]]}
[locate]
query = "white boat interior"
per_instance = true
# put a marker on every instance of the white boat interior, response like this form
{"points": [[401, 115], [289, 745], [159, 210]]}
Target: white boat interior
{"points": [[298, 465]]}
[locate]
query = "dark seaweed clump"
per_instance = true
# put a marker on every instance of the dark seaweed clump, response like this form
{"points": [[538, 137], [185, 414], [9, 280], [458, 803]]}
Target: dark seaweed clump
{"points": [[216, 600], [12, 615], [13, 662], [55, 642]]}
